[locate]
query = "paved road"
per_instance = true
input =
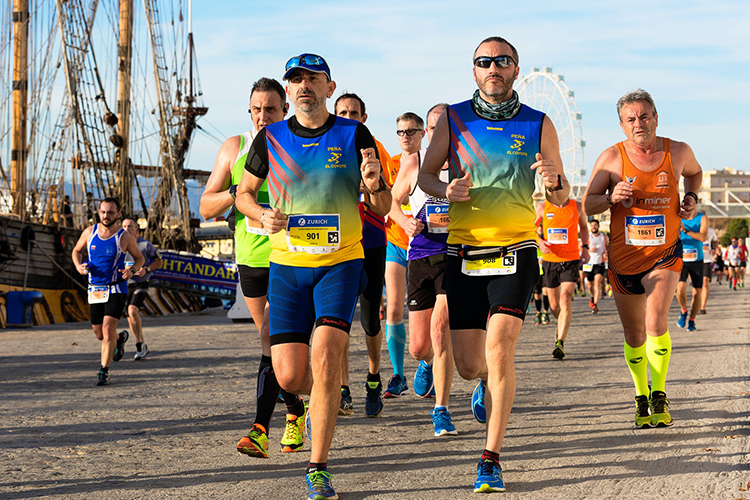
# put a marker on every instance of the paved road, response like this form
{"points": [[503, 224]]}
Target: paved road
{"points": [[167, 427]]}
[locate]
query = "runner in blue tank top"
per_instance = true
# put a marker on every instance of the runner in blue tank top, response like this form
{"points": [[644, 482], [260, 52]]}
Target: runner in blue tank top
{"points": [[694, 232], [106, 244]]}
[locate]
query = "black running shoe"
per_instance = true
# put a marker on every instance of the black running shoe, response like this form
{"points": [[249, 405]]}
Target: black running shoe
{"points": [[642, 415], [103, 378], [558, 352], [120, 349]]}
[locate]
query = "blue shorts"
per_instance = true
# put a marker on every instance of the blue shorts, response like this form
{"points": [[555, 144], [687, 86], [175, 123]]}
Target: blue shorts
{"points": [[395, 253], [303, 298]]}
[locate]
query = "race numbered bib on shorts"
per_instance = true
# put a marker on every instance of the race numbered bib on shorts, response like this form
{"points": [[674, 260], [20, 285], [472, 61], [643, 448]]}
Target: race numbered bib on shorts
{"points": [[557, 235], [98, 294], [587, 268], [493, 266], [645, 230], [689, 254], [314, 234], [254, 227], [437, 217]]}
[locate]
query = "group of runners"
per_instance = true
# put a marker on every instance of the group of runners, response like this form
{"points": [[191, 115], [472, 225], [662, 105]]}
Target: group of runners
{"points": [[324, 216]]}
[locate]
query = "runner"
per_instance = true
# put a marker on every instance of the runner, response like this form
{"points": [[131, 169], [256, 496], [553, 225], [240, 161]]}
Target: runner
{"points": [[594, 268], [267, 105], [410, 130], [429, 332], [732, 262], [637, 180], [561, 226], [373, 241], [138, 285], [496, 145], [106, 244], [694, 232], [719, 262], [541, 300], [314, 163], [743, 262], [708, 260]]}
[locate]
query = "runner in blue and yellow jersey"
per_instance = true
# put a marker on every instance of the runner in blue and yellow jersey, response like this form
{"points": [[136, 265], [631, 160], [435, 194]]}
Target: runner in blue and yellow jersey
{"points": [[106, 245], [693, 233], [314, 163], [252, 249], [495, 146]]}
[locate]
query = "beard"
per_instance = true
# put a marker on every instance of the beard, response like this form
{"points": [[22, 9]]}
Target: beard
{"points": [[309, 105], [110, 224], [495, 90]]}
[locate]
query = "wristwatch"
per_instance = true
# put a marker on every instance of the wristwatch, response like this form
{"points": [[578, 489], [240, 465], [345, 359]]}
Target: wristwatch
{"points": [[559, 185], [382, 186], [233, 191]]}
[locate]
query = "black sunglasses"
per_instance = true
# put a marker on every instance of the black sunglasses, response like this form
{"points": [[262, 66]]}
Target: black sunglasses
{"points": [[409, 131], [500, 61]]}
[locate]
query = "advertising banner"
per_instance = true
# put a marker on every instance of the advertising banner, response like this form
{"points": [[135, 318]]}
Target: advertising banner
{"points": [[192, 269]]}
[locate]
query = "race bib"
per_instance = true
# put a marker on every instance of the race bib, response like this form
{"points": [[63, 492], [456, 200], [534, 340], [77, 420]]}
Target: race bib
{"points": [[557, 236], [689, 254], [645, 230], [314, 234], [437, 217], [98, 294], [587, 268], [493, 266], [254, 227]]}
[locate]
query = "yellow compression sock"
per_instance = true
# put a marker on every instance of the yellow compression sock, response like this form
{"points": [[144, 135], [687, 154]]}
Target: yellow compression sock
{"points": [[638, 365], [659, 350]]}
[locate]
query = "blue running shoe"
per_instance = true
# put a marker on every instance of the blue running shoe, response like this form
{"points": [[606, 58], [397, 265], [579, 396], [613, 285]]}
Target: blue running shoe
{"points": [[396, 387], [489, 477], [423, 384], [441, 418], [691, 325], [319, 486], [477, 402], [308, 426], [374, 402], [682, 320]]}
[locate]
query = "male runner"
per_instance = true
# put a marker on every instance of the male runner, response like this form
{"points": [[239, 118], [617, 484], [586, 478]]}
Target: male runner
{"points": [[267, 105], [637, 181], [351, 106], [314, 163], [410, 131], [595, 270], [106, 244], [429, 331], [138, 285], [732, 260], [743, 261], [495, 145], [561, 260], [693, 233]]}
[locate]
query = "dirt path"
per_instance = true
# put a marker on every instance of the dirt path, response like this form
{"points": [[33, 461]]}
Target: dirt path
{"points": [[167, 427]]}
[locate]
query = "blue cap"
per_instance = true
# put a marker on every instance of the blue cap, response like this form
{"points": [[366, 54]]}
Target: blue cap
{"points": [[310, 62]]}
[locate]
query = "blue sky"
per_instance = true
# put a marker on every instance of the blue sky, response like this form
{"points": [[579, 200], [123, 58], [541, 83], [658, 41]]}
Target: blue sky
{"points": [[693, 57]]}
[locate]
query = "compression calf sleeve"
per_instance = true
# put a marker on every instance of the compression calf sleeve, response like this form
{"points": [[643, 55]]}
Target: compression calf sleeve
{"points": [[659, 350], [268, 391], [638, 366], [395, 335]]}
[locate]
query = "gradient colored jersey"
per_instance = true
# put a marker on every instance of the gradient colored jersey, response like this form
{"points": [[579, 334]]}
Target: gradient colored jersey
{"points": [[395, 233], [645, 228], [560, 230], [498, 154], [106, 259], [373, 225]]}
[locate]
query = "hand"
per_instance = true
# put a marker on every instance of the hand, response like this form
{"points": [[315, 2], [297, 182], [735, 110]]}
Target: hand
{"points": [[547, 169], [127, 273], [141, 272], [82, 268], [622, 191], [585, 257], [273, 220], [413, 227], [458, 189], [688, 208], [370, 169]]}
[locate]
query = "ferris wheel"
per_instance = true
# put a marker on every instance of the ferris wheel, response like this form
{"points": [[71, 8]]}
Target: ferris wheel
{"points": [[547, 92]]}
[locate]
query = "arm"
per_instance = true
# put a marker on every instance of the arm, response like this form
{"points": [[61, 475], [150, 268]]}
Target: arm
{"points": [[583, 232], [216, 199], [78, 250], [702, 233], [130, 245], [606, 172], [437, 153], [400, 192], [549, 165], [256, 171], [693, 175], [380, 202], [152, 266]]}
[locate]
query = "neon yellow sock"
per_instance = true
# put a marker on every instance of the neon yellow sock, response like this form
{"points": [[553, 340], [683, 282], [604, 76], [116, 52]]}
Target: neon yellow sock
{"points": [[638, 365], [658, 351]]}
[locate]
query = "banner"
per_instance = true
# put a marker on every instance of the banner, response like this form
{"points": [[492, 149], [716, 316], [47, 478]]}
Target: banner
{"points": [[193, 269]]}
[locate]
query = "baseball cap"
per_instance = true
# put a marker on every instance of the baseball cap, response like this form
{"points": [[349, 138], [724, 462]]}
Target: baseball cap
{"points": [[310, 62]]}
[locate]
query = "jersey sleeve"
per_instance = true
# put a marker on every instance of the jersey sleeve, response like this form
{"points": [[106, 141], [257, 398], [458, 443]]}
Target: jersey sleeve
{"points": [[257, 157]]}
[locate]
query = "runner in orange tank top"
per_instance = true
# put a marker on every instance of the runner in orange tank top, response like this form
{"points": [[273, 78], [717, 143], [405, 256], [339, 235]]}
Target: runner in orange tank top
{"points": [[637, 180]]}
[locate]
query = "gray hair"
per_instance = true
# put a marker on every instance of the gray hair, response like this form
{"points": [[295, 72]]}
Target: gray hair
{"points": [[635, 96], [443, 105]]}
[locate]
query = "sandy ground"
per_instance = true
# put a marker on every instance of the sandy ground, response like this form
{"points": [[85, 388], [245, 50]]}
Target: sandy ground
{"points": [[167, 427]]}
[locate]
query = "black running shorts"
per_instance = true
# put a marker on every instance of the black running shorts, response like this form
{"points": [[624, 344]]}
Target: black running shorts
{"points": [[254, 281], [695, 271], [425, 281], [560, 272], [113, 308]]}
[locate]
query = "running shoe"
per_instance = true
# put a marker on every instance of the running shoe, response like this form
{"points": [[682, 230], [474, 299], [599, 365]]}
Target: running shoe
{"points": [[103, 377], [319, 486], [441, 419], [139, 355], [642, 415], [120, 349], [477, 402], [682, 320], [280, 399], [396, 387], [347, 406], [538, 319], [545, 318], [373, 400], [293, 439], [489, 477], [595, 309], [591, 303], [660, 416], [558, 352], [308, 425], [703, 311], [423, 383], [691, 325], [255, 443]]}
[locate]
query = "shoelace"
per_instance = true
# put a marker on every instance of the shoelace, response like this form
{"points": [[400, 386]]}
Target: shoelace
{"points": [[291, 431], [320, 479], [660, 404], [487, 468], [443, 417]]}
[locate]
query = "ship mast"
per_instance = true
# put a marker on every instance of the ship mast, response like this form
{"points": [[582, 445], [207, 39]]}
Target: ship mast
{"points": [[125, 56], [20, 105]]}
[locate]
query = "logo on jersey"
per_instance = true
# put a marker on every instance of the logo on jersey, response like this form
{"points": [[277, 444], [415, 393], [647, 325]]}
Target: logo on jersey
{"points": [[662, 180], [333, 161], [518, 142]]}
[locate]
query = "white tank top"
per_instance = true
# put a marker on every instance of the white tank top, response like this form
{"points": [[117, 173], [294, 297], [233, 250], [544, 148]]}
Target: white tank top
{"points": [[596, 248]]}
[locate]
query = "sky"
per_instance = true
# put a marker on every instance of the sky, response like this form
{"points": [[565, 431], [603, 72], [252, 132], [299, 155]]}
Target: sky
{"points": [[692, 56]]}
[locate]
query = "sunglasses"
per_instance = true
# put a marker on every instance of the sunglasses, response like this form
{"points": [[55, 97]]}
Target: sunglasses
{"points": [[500, 61], [307, 60], [409, 131]]}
